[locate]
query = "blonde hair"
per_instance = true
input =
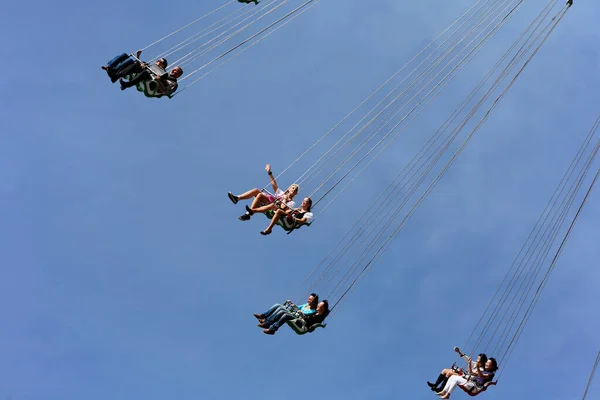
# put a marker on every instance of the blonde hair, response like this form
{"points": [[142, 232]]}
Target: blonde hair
{"points": [[292, 186]]}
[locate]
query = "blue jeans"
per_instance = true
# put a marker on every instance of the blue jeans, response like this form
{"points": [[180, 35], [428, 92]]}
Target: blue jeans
{"points": [[276, 315], [118, 65], [267, 314], [285, 317]]}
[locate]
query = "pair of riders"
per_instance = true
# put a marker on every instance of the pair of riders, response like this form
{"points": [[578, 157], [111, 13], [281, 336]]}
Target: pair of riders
{"points": [[310, 314], [159, 82], [280, 205], [474, 380]]}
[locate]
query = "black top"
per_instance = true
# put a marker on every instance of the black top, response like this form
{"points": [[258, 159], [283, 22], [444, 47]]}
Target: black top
{"points": [[314, 319]]}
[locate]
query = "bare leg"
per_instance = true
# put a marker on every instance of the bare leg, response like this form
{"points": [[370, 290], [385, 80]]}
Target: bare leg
{"points": [[274, 220], [250, 193], [259, 199], [448, 373]]}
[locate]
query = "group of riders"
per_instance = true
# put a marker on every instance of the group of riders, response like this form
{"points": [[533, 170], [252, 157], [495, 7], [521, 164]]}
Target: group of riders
{"points": [[280, 208], [153, 80], [309, 315], [476, 378]]}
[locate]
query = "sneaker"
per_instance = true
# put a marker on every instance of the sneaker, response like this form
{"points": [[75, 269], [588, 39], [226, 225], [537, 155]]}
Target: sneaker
{"points": [[244, 217], [232, 197], [250, 212]]}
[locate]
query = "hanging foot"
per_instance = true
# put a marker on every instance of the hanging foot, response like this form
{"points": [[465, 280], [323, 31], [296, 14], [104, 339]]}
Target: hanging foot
{"points": [[234, 199]]}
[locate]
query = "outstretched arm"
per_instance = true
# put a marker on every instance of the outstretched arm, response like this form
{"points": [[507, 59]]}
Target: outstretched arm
{"points": [[273, 181]]}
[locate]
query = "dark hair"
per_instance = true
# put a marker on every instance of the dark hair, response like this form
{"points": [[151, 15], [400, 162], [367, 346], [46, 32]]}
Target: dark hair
{"points": [[315, 300], [309, 203], [326, 306], [164, 61], [494, 364], [483, 358]]}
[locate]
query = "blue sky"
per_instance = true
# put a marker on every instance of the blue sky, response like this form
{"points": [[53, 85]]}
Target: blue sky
{"points": [[126, 273]]}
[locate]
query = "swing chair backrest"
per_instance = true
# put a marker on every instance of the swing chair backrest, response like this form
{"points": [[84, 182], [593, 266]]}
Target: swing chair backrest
{"points": [[149, 87], [299, 326], [298, 226], [485, 386]]}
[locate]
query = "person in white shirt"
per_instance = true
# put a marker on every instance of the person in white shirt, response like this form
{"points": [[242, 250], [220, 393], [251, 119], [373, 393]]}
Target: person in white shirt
{"points": [[292, 218], [472, 384], [264, 202], [472, 369]]}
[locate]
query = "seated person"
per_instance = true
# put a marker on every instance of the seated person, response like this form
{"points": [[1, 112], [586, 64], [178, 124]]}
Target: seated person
{"points": [[283, 199], [316, 318], [166, 84], [122, 65], [291, 218], [473, 384], [448, 372], [275, 312]]}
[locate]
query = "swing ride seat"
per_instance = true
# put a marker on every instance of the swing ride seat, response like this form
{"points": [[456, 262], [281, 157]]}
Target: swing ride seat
{"points": [[485, 386], [150, 87], [468, 391], [298, 325]]}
